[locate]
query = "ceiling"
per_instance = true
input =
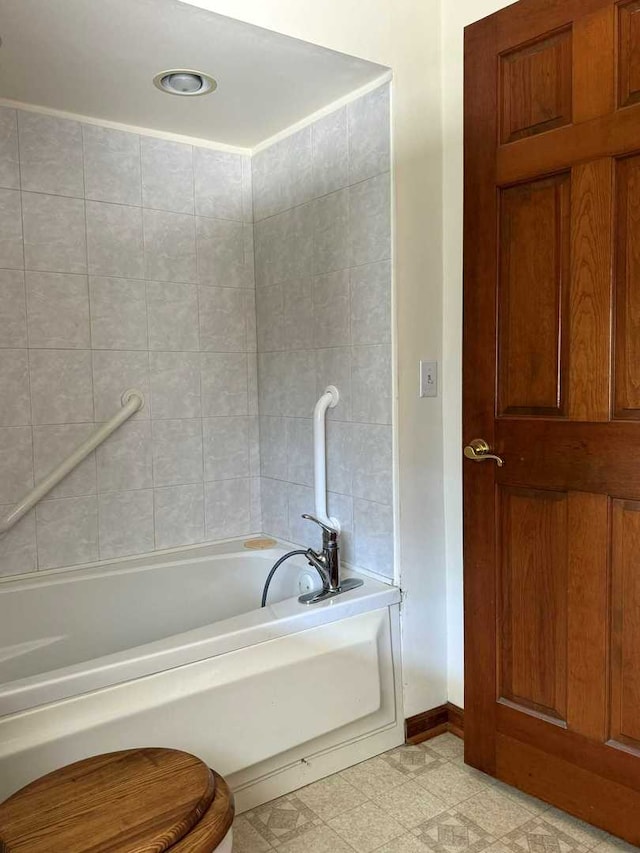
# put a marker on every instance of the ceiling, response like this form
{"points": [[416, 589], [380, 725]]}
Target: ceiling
{"points": [[97, 58]]}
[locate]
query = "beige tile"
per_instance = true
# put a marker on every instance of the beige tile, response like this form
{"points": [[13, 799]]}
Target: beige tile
{"points": [[16, 463], [452, 832], [51, 444], [580, 831], [374, 536], [447, 746], [331, 797], [499, 847], [57, 311], [369, 136], [320, 839], [246, 839], [494, 812], [54, 233], [227, 508], [167, 175], [537, 834], [373, 777], [18, 546], [405, 844], [532, 804], [111, 165], [13, 317], [114, 240], [282, 820], [11, 243], [366, 827], [14, 388], [412, 760], [125, 521], [614, 845], [410, 804], [9, 165], [50, 154], [413, 799], [179, 515], [61, 390], [67, 532], [452, 783]]}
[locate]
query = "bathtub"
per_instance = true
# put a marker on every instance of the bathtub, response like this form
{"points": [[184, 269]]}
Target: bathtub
{"points": [[174, 650]]}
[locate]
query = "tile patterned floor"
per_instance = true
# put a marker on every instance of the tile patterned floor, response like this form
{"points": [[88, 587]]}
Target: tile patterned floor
{"points": [[415, 799]]}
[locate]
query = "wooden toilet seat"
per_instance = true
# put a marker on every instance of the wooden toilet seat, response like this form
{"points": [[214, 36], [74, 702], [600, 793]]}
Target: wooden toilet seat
{"points": [[134, 801]]}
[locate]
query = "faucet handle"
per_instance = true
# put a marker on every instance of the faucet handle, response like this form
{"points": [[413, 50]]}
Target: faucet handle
{"points": [[330, 531]]}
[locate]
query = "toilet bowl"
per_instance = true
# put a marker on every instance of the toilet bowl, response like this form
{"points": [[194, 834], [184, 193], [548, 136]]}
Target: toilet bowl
{"points": [[144, 800]]}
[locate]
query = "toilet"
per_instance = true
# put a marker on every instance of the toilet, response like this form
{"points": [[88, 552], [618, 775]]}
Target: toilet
{"points": [[134, 801]]}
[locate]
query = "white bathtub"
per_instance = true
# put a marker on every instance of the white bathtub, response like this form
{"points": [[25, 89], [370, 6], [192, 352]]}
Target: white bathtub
{"points": [[175, 651]]}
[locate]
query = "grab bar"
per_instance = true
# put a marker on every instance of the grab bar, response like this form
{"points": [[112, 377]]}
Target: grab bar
{"points": [[329, 400], [132, 402]]}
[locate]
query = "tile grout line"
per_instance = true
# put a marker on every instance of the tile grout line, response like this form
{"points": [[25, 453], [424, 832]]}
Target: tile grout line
{"points": [[91, 358], [28, 352]]}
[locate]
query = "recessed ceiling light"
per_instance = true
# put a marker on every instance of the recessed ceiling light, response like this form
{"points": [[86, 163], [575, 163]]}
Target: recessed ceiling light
{"points": [[184, 81]]}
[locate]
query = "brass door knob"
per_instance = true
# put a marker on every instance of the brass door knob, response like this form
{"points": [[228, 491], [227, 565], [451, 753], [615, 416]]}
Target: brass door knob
{"points": [[479, 451]]}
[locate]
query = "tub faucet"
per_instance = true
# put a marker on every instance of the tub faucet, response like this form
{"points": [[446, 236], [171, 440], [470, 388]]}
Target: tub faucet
{"points": [[327, 564]]}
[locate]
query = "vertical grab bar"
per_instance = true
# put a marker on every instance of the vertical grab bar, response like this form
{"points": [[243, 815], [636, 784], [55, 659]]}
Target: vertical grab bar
{"points": [[329, 400], [132, 401]]}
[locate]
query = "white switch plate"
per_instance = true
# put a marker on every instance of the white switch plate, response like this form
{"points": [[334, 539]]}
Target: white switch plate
{"points": [[428, 378]]}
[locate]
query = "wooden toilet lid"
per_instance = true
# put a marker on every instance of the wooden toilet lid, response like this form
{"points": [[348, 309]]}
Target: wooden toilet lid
{"points": [[135, 801]]}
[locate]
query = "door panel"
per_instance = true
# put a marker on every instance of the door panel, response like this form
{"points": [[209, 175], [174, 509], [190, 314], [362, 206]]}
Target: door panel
{"points": [[534, 279], [625, 639], [627, 293], [552, 383], [532, 615], [593, 63], [629, 53], [588, 622], [589, 314], [536, 87]]}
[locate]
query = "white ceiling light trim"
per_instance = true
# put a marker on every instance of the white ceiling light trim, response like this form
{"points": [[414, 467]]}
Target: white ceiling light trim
{"points": [[185, 82]]}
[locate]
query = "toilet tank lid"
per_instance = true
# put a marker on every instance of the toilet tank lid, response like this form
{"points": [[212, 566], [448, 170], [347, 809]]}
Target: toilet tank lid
{"points": [[142, 799]]}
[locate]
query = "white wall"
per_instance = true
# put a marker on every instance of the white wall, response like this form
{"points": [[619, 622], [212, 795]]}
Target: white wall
{"points": [[405, 35], [455, 17]]}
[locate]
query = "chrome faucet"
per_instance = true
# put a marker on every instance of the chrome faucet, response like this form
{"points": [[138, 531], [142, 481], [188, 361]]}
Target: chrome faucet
{"points": [[327, 564]]}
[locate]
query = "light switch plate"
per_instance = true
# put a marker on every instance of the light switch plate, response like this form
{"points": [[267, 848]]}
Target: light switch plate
{"points": [[428, 378]]}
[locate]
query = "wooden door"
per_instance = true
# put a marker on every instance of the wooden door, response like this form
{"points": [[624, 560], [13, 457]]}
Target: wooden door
{"points": [[552, 383]]}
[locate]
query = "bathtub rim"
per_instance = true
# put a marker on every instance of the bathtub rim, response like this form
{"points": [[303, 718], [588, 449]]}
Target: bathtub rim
{"points": [[236, 546], [197, 644]]}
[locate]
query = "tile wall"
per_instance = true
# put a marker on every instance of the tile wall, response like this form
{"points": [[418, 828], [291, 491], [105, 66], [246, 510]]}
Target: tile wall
{"points": [[323, 295], [128, 261], [125, 261]]}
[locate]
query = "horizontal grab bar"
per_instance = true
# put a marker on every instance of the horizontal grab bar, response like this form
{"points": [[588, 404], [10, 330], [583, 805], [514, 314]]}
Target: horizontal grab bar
{"points": [[132, 402]]}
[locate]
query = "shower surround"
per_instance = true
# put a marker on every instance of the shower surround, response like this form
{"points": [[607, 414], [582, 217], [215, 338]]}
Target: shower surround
{"points": [[128, 261], [323, 293]]}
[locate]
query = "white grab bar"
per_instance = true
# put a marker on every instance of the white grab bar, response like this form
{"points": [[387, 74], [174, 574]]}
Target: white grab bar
{"points": [[132, 402], [329, 400]]}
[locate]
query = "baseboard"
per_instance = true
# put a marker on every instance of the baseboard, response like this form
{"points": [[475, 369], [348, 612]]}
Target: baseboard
{"points": [[430, 724]]}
